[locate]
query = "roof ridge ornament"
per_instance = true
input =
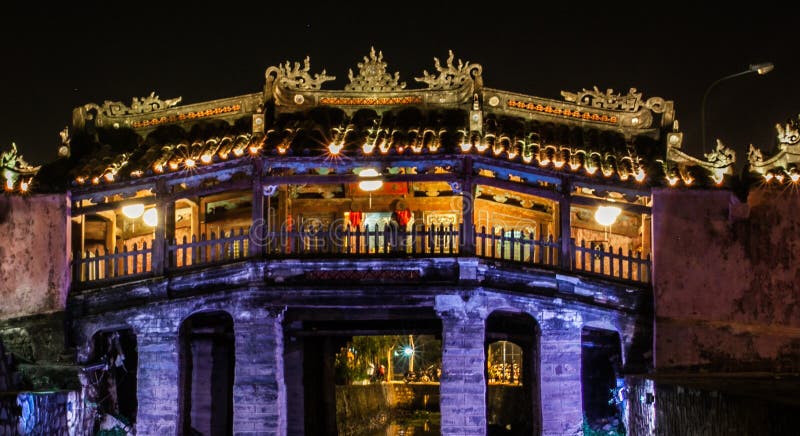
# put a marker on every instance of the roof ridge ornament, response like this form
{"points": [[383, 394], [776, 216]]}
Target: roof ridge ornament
{"points": [[721, 156], [12, 160], [630, 102], [295, 77], [788, 133], [451, 76], [372, 75], [141, 105]]}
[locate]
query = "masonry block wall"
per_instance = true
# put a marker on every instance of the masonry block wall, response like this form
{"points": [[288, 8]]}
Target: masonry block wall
{"points": [[258, 391], [726, 281], [34, 248]]}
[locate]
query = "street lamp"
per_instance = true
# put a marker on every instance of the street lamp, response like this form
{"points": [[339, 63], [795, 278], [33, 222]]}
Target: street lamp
{"points": [[760, 69]]}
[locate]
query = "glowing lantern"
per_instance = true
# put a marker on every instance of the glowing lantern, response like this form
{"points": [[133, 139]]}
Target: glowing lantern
{"points": [[369, 185], [607, 215], [150, 217], [133, 210]]}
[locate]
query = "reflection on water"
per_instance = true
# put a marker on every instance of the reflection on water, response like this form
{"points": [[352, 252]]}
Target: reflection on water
{"points": [[418, 423]]}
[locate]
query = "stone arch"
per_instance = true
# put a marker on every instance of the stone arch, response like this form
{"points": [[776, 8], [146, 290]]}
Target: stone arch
{"points": [[513, 404], [206, 359]]}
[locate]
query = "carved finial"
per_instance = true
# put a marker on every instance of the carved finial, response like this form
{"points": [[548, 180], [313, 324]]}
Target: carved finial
{"points": [[450, 76], [608, 100], [296, 77], [788, 133], [721, 156], [754, 155], [13, 160], [372, 75], [63, 148]]}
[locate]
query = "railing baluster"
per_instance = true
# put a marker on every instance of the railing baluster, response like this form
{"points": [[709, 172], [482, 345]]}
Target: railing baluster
{"points": [[610, 260], [414, 240], [494, 244], [619, 263], [451, 240], [358, 240]]}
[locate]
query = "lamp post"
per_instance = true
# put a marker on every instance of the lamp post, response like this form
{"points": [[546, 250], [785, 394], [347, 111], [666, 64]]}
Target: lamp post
{"points": [[760, 69]]}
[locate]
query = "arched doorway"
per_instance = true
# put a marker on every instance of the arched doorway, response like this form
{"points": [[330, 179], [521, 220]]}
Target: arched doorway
{"points": [[601, 364], [206, 374], [512, 374]]}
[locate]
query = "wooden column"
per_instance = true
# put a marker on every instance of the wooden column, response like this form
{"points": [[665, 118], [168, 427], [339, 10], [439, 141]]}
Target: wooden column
{"points": [[168, 209], [564, 223], [158, 260], [468, 209], [258, 225]]}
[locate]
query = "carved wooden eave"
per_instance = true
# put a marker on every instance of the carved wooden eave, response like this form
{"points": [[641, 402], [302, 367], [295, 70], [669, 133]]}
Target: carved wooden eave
{"points": [[786, 161], [147, 113], [293, 88]]}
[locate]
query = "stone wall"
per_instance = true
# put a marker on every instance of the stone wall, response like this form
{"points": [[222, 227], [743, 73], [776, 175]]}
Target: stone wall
{"points": [[51, 413], [709, 413], [34, 248], [726, 281], [259, 403]]}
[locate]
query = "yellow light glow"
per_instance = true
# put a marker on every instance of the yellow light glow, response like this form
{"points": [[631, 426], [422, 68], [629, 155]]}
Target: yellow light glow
{"points": [[109, 177], [369, 185], [639, 175], [498, 150], [190, 163], [137, 173], [465, 147], [282, 149], [133, 211], [81, 180], [158, 168], [558, 163], [795, 177], [368, 148], [591, 170], [672, 180], [384, 147], [768, 176], [95, 180], [606, 215], [417, 148], [481, 147], [254, 149], [23, 186], [173, 165], [150, 217], [334, 149], [206, 158], [718, 176], [779, 177], [574, 165], [544, 162], [238, 152], [9, 184]]}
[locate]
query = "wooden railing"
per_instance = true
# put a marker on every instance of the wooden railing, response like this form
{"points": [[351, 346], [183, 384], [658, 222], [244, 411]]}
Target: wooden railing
{"points": [[211, 249], [420, 241], [107, 264], [606, 262], [515, 246]]}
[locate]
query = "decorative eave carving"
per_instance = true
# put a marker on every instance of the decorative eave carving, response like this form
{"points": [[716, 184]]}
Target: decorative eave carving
{"points": [[631, 102], [17, 173], [372, 75], [451, 76], [786, 160], [141, 105], [295, 77], [719, 163]]}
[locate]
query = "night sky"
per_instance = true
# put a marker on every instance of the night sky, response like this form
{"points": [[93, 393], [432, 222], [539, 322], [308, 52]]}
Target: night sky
{"points": [[58, 57]]}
